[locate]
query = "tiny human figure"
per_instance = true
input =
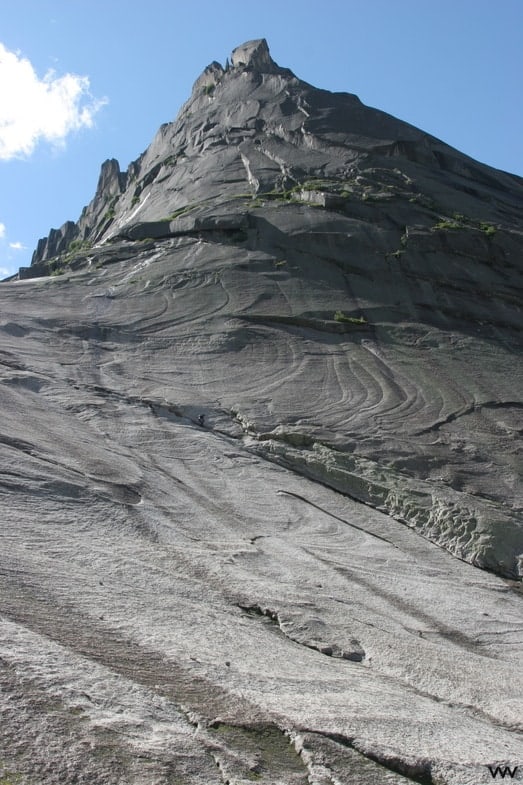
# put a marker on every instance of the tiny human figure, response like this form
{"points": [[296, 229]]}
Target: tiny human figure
{"points": [[201, 419]]}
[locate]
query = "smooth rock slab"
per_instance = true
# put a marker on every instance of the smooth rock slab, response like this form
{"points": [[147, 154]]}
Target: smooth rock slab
{"points": [[250, 599]]}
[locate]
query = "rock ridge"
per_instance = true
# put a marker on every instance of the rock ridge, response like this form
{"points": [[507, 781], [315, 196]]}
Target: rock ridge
{"points": [[268, 132]]}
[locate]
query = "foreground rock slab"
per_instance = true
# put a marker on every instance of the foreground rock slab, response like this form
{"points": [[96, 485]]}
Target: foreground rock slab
{"points": [[176, 605]]}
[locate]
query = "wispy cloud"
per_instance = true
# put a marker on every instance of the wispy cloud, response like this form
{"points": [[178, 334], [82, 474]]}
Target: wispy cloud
{"points": [[34, 109], [14, 246]]}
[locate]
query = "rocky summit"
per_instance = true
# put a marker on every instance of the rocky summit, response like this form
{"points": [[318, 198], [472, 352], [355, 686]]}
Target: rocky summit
{"points": [[261, 457]]}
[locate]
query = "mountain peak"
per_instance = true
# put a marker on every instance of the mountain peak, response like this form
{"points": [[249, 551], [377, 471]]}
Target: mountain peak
{"points": [[252, 128], [255, 55], [274, 364], [250, 56]]}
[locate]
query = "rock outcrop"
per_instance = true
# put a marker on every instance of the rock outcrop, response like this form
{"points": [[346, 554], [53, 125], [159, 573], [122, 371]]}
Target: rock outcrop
{"points": [[407, 233], [246, 595]]}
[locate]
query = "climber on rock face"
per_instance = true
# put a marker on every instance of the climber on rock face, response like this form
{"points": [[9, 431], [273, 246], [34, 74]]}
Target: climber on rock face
{"points": [[201, 419]]}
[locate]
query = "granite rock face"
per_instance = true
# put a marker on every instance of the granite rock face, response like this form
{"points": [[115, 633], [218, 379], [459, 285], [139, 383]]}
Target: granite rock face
{"points": [[246, 596]]}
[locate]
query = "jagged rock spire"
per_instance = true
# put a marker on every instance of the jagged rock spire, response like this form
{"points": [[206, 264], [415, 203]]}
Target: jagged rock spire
{"points": [[255, 55]]}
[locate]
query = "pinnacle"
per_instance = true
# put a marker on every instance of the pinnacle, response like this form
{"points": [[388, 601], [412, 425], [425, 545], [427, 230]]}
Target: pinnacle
{"points": [[254, 54]]}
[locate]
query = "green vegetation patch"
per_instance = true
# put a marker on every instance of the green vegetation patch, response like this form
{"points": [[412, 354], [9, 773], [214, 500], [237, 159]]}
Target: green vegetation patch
{"points": [[56, 266], [60, 264], [79, 245], [447, 224], [110, 212], [487, 228], [459, 221], [108, 215], [179, 212], [10, 778], [339, 316]]}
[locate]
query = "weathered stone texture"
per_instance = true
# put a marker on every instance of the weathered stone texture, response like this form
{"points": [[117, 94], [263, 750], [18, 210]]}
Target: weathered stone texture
{"points": [[289, 593]]}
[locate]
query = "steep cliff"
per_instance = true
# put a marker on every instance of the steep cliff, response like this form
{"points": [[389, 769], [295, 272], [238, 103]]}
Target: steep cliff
{"points": [[267, 357], [381, 223]]}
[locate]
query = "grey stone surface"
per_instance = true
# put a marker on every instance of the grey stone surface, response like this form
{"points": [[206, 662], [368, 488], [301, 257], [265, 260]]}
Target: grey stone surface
{"points": [[339, 294]]}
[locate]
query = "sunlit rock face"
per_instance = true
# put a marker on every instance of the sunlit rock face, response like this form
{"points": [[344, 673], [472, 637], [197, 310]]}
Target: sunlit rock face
{"points": [[266, 359]]}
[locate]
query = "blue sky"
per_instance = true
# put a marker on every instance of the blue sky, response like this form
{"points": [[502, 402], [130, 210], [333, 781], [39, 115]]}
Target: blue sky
{"points": [[86, 80]]}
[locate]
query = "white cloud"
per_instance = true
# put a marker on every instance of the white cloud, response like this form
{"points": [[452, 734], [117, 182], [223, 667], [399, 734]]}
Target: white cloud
{"points": [[33, 109], [14, 246], [5, 272]]}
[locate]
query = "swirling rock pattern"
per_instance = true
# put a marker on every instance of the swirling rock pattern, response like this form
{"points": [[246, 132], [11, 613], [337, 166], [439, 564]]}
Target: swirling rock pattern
{"points": [[250, 599]]}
